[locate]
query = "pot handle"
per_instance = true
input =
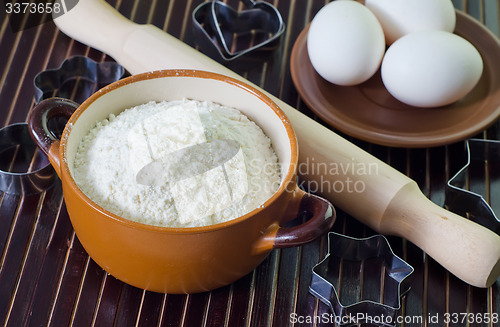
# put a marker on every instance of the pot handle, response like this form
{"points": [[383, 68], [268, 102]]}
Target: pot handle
{"points": [[38, 120], [322, 218]]}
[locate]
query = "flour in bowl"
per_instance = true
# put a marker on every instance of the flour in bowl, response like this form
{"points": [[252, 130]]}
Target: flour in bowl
{"points": [[177, 164]]}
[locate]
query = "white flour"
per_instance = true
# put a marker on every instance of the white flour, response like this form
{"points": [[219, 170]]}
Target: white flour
{"points": [[193, 173]]}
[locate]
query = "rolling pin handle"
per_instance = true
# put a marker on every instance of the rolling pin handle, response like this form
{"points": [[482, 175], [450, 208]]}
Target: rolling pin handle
{"points": [[468, 250], [96, 23]]}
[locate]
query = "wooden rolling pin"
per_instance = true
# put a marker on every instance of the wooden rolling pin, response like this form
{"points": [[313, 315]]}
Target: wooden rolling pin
{"points": [[380, 197]]}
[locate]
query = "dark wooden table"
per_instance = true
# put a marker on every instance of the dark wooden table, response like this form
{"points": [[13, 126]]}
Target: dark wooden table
{"points": [[46, 277]]}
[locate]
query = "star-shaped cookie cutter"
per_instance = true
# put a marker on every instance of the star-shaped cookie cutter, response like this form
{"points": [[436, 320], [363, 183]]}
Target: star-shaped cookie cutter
{"points": [[462, 201], [377, 300]]}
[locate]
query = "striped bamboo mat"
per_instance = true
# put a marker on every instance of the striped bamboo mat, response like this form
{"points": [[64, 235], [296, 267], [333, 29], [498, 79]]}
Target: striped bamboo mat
{"points": [[46, 277]]}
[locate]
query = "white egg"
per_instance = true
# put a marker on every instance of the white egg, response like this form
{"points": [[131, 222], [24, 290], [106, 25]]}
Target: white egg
{"points": [[345, 42], [431, 68], [401, 17]]}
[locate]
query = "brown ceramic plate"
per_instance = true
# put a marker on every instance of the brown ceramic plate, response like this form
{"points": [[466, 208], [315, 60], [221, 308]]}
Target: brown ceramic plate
{"points": [[368, 112]]}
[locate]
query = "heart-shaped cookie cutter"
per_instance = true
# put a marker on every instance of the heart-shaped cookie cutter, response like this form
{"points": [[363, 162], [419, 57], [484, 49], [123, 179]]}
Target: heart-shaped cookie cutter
{"points": [[375, 297], [234, 34]]}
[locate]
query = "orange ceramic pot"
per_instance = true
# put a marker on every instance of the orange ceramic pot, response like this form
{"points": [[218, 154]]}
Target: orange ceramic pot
{"points": [[180, 260]]}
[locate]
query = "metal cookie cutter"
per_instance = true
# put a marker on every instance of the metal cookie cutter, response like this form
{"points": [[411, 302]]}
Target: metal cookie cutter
{"points": [[23, 168], [233, 33], [77, 78], [463, 201], [373, 297]]}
